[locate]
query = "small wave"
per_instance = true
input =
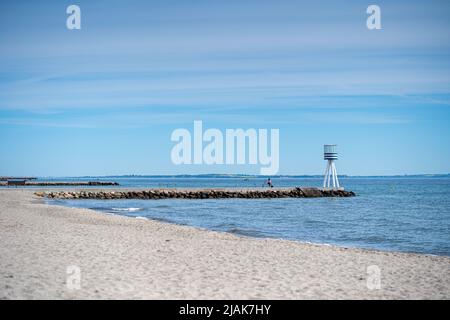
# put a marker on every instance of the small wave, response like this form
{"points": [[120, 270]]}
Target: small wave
{"points": [[109, 212], [162, 206], [106, 209], [141, 218], [312, 222], [127, 209], [246, 232], [226, 225], [160, 219]]}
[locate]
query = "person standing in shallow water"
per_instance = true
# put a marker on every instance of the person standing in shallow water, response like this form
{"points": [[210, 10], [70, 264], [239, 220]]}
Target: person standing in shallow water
{"points": [[269, 183]]}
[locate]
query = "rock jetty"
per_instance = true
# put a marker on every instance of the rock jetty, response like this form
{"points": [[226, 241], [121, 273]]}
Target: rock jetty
{"points": [[154, 194]]}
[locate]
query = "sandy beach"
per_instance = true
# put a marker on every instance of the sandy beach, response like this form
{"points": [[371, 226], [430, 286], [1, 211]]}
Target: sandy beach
{"points": [[127, 258]]}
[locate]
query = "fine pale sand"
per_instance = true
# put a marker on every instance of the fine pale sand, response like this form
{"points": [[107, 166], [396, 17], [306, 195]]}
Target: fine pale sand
{"points": [[128, 258]]}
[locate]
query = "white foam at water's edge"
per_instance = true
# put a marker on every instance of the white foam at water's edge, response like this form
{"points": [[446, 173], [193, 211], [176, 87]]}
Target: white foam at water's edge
{"points": [[127, 209]]}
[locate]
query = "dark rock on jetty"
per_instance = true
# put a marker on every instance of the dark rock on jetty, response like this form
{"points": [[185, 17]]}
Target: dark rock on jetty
{"points": [[69, 183], [155, 194]]}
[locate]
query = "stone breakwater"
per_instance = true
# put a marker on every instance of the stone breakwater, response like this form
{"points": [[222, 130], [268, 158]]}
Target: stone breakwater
{"points": [[154, 194]]}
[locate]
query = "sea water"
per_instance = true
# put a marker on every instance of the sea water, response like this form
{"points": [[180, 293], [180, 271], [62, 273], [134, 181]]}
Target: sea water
{"points": [[388, 213]]}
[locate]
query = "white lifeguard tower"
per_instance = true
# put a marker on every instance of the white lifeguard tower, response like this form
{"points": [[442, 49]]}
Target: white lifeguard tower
{"points": [[331, 177]]}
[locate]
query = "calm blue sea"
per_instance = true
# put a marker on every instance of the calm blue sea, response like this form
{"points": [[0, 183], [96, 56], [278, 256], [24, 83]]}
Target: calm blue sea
{"points": [[401, 214]]}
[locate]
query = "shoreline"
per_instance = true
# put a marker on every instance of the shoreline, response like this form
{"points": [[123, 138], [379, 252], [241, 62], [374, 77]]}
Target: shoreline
{"points": [[44, 201], [136, 258]]}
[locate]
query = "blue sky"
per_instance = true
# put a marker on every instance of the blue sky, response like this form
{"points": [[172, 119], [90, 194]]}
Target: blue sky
{"points": [[104, 100]]}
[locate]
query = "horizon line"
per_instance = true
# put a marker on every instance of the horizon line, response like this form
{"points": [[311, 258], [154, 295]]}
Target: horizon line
{"points": [[231, 175]]}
